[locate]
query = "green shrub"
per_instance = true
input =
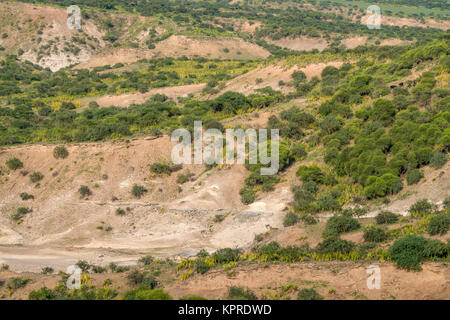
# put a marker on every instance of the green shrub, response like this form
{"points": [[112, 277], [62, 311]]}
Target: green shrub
{"points": [[138, 191], [247, 195], [84, 191], [201, 266], [333, 244], [137, 278], [146, 294], [410, 251], [308, 219], [43, 293], [25, 196], [366, 246], [118, 269], [386, 217], [446, 203], [435, 249], [239, 293], [290, 219], [422, 207], [439, 224], [120, 212], [160, 168], [14, 164], [387, 184], [219, 218], [83, 265], [98, 269], [20, 213], [182, 178], [47, 270], [298, 151], [308, 294], [36, 177], [438, 160], [226, 255], [340, 224], [374, 234], [310, 173], [146, 260], [16, 283], [60, 152], [413, 176], [328, 203]]}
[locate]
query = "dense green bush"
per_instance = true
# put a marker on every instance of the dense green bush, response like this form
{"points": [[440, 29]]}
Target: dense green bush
{"points": [[160, 168], [84, 191], [26, 196], [413, 176], [201, 266], [387, 184], [16, 283], [438, 160], [146, 294], [247, 195], [422, 207], [308, 219], [138, 191], [340, 224], [410, 251], [290, 219], [138, 278], [383, 110], [374, 234], [60, 152], [308, 294], [446, 203], [36, 177], [298, 150], [333, 244], [310, 173], [226, 255], [386, 217], [20, 213], [146, 260], [120, 212], [14, 164], [439, 224], [43, 293]]}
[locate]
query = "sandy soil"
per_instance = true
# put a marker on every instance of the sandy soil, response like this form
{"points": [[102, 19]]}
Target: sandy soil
{"points": [[272, 75], [348, 280], [213, 48], [178, 46], [301, 43], [165, 221], [127, 99], [54, 20], [332, 280]]}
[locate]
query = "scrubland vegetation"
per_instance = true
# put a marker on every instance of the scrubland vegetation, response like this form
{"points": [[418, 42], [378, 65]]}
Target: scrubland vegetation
{"points": [[361, 134]]}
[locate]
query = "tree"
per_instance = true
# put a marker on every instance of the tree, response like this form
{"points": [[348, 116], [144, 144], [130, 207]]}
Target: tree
{"points": [[383, 110]]}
